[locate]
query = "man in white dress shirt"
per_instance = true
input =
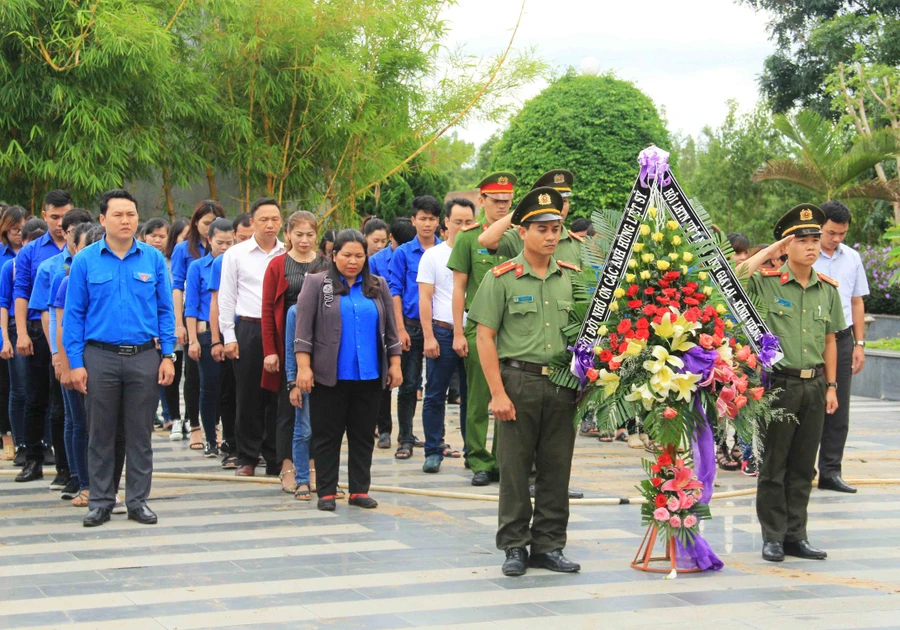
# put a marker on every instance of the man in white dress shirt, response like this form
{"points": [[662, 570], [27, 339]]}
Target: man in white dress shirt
{"points": [[843, 264], [240, 312]]}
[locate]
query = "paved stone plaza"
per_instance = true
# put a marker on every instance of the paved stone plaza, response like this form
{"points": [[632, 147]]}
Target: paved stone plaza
{"points": [[232, 554]]}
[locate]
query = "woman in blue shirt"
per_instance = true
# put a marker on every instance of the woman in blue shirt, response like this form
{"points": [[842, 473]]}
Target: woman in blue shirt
{"points": [[198, 296], [347, 352]]}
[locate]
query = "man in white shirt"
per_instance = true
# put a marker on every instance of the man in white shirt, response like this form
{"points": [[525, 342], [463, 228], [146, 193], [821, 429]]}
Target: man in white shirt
{"points": [[843, 264], [435, 281], [240, 313]]}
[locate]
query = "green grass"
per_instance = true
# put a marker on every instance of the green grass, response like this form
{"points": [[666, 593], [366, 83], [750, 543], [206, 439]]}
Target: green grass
{"points": [[885, 344]]}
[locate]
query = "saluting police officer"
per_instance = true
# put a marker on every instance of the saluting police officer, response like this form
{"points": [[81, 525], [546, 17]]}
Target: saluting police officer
{"points": [[119, 302], [803, 309], [521, 308]]}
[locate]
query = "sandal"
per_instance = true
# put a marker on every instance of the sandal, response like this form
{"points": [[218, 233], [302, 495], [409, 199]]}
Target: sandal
{"points": [[606, 436], [302, 492], [339, 493], [622, 435], [196, 444], [449, 451], [737, 453], [291, 486], [723, 459], [652, 446], [404, 452], [634, 441], [230, 462], [82, 499]]}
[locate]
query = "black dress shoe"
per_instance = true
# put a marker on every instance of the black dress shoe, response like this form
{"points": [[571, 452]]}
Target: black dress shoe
{"points": [[96, 517], [773, 551], [326, 505], [802, 549], [553, 561], [19, 461], [143, 515], [481, 478], [516, 562], [364, 501], [836, 483], [32, 472]]}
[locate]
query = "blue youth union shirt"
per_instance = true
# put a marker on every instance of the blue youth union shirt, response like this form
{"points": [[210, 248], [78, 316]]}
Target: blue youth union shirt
{"points": [[380, 262], [28, 260], [404, 271], [6, 288], [358, 353], [197, 292], [41, 292], [181, 262], [125, 301]]}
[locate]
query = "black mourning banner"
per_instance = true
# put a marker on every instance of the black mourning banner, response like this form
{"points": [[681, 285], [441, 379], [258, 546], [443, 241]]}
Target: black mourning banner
{"points": [[616, 264]]}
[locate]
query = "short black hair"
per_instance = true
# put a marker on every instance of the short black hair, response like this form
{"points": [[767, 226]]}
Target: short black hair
{"points": [[81, 229], [242, 220], [96, 233], [739, 243], [33, 228], [402, 231], [581, 225], [76, 216], [263, 201], [154, 224], [373, 225], [836, 212], [459, 201], [219, 225], [116, 193], [57, 198], [427, 204]]}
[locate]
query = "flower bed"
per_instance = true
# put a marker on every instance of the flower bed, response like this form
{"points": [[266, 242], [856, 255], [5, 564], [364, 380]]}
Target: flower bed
{"points": [[884, 297]]}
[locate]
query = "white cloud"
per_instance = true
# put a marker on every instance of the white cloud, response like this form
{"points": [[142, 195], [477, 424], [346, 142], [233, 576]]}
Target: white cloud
{"points": [[689, 56]]}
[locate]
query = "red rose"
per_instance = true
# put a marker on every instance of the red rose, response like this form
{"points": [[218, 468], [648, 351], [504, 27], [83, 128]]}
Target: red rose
{"points": [[671, 275], [656, 481], [623, 347], [614, 365], [654, 468], [613, 340], [624, 326], [606, 356], [757, 392], [662, 300], [643, 333], [663, 283], [691, 301], [630, 335], [664, 460], [700, 296], [709, 311], [688, 290], [660, 500], [692, 314], [635, 304], [592, 374], [669, 292], [632, 290], [669, 413], [642, 323], [650, 310], [706, 341], [649, 291]]}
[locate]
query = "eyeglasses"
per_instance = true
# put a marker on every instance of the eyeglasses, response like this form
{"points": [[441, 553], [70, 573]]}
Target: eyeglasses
{"points": [[14, 231]]}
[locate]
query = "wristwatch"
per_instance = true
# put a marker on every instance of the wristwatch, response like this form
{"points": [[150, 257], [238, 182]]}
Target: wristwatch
{"points": [[291, 385], [861, 343], [170, 357], [832, 384]]}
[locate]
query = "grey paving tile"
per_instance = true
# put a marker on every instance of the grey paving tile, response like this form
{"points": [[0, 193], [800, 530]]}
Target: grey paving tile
{"points": [[13, 561], [96, 615], [428, 589], [170, 571], [612, 604], [53, 619], [19, 592], [744, 595], [476, 614], [365, 622]]}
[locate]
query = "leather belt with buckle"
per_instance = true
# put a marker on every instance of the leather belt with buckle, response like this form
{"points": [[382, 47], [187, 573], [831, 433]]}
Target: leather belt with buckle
{"points": [[125, 351], [804, 374], [440, 324], [408, 321], [843, 333], [531, 368]]}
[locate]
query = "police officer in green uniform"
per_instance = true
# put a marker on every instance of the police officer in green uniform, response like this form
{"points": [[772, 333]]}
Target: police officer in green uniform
{"points": [[803, 311], [520, 310], [470, 262], [505, 237]]}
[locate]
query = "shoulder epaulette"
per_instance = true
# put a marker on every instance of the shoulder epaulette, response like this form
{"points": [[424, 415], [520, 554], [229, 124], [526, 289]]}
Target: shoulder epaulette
{"points": [[502, 268], [469, 227], [568, 265], [576, 237], [769, 273], [830, 281]]}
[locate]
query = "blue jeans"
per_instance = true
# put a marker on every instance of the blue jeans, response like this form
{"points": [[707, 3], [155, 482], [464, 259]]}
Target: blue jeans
{"points": [[437, 381], [300, 443], [18, 367], [76, 436], [210, 379]]}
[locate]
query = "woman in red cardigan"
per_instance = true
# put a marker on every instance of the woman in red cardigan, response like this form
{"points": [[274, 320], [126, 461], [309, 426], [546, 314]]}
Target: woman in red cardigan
{"points": [[281, 287]]}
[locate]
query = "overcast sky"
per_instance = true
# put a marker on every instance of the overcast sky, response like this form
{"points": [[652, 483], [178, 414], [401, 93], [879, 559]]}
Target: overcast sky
{"points": [[689, 56]]}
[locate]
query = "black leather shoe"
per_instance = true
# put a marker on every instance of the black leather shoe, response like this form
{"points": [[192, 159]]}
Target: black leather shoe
{"points": [[516, 562], [19, 461], [32, 472], [326, 505], [553, 561], [96, 517], [365, 502], [837, 484], [481, 478], [802, 549], [773, 551], [143, 515]]}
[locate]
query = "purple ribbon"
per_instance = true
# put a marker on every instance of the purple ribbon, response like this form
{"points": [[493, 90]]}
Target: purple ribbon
{"points": [[654, 163], [698, 553], [584, 360], [768, 348], [699, 361]]}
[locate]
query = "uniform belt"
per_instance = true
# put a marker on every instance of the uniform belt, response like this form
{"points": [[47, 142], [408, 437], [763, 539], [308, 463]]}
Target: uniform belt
{"points": [[804, 374], [531, 368], [843, 333], [255, 320], [125, 351], [412, 322], [440, 324]]}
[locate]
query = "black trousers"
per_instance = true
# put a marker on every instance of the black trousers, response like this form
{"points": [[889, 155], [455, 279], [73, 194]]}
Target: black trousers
{"points": [[191, 391], [351, 407], [837, 424], [43, 396], [257, 408], [5, 426], [173, 390], [385, 424], [227, 402]]}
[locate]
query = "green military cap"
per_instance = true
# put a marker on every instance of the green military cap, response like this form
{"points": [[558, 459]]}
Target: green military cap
{"points": [[498, 185], [539, 204], [803, 220], [559, 179]]}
